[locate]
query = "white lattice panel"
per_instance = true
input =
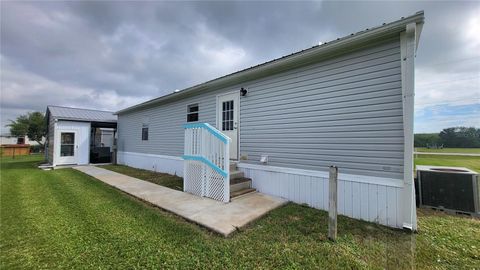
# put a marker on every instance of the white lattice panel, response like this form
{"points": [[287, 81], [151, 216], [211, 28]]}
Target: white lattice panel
{"points": [[215, 186], [193, 177]]}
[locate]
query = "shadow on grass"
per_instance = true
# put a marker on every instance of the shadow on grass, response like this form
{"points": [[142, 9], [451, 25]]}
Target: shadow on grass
{"points": [[293, 223], [16, 164], [162, 179]]}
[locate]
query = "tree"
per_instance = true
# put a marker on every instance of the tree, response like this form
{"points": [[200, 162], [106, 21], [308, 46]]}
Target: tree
{"points": [[463, 137], [426, 140], [31, 124]]}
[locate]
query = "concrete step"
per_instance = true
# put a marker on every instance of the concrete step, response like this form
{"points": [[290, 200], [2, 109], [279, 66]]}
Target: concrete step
{"points": [[241, 192], [236, 174], [239, 180], [239, 184]]}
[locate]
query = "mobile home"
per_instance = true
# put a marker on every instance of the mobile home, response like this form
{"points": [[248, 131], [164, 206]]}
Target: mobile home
{"points": [[347, 103]]}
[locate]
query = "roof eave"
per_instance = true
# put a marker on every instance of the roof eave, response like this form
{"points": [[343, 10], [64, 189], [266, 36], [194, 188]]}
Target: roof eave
{"points": [[83, 120], [327, 48]]}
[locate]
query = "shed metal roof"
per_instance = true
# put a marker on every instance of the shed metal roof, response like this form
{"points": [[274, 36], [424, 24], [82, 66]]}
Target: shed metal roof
{"points": [[294, 59], [77, 114]]}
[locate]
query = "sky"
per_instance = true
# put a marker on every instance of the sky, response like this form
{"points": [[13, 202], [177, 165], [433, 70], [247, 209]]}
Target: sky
{"points": [[111, 55]]}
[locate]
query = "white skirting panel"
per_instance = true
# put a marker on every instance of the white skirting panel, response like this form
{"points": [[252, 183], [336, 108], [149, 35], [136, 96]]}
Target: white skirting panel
{"points": [[157, 163], [358, 196]]}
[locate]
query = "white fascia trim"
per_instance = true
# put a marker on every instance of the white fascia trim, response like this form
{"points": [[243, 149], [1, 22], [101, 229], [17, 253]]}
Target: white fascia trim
{"points": [[390, 182], [150, 155]]}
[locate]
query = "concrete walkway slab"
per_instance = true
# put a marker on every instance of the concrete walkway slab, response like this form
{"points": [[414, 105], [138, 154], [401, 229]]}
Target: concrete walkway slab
{"points": [[223, 218]]}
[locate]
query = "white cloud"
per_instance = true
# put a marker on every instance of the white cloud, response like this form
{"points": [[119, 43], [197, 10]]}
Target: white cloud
{"points": [[444, 88], [107, 55], [216, 53], [472, 30], [440, 99], [436, 118], [448, 87], [22, 91], [434, 88]]}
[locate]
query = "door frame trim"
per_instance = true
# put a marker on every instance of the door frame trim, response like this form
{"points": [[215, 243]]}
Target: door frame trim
{"points": [[59, 144], [217, 120]]}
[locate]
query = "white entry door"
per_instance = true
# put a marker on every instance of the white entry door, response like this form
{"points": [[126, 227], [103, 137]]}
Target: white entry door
{"points": [[68, 148], [228, 119]]}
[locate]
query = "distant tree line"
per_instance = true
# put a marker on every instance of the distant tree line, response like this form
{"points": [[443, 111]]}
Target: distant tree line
{"points": [[458, 137]]}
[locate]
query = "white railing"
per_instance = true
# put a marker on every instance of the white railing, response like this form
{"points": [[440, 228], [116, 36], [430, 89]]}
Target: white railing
{"points": [[206, 162]]}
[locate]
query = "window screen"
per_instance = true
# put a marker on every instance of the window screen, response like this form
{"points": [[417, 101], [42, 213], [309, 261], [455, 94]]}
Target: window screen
{"points": [[145, 124], [192, 113], [145, 132], [67, 144], [227, 115]]}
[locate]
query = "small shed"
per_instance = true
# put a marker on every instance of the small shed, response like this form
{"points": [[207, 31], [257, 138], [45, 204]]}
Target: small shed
{"points": [[79, 136]]}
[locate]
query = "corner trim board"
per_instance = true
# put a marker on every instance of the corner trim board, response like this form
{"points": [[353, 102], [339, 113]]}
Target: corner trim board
{"points": [[407, 53]]}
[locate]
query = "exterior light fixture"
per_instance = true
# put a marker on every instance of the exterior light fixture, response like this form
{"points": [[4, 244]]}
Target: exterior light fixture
{"points": [[243, 92], [264, 159]]}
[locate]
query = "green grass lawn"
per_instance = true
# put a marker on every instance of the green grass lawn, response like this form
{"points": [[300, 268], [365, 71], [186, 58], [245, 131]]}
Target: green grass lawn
{"points": [[455, 161], [163, 179], [65, 219], [449, 150]]}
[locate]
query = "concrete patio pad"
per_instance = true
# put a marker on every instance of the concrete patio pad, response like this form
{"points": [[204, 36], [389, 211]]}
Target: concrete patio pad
{"points": [[223, 218]]}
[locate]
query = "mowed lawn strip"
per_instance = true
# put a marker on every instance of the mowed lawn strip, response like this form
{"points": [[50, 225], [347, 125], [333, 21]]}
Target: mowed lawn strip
{"points": [[65, 219], [449, 150], [472, 163]]}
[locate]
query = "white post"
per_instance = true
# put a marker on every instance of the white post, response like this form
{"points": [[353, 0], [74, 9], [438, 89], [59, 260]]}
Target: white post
{"points": [[332, 205], [202, 152], [226, 160], [185, 151]]}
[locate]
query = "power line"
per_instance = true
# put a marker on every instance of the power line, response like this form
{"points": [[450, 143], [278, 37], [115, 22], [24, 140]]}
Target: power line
{"points": [[449, 81], [463, 99], [451, 101], [455, 60]]}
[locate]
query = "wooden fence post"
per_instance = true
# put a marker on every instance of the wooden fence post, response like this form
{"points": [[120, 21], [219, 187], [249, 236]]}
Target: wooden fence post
{"points": [[332, 204]]}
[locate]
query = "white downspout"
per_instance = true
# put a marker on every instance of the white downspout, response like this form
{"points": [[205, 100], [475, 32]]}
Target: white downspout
{"points": [[408, 46]]}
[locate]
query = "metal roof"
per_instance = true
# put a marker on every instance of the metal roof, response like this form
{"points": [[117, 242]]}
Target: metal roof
{"points": [[77, 114], [293, 59]]}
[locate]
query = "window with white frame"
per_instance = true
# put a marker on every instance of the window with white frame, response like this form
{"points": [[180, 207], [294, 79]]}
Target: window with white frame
{"points": [[227, 115], [145, 124], [192, 113]]}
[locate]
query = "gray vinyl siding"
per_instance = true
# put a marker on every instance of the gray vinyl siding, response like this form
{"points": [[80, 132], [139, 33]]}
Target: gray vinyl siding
{"points": [[345, 111], [51, 137], [165, 125]]}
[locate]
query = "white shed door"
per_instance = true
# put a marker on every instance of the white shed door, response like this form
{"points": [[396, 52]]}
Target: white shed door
{"points": [[228, 119], [68, 148]]}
